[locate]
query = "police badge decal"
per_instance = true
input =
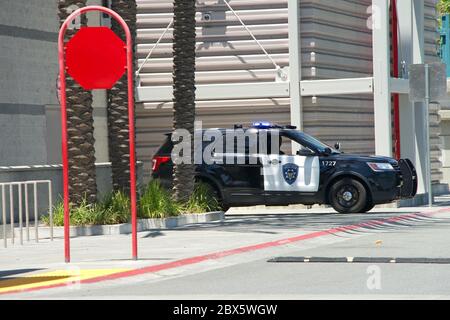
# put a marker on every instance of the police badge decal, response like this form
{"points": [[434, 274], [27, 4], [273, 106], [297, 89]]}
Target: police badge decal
{"points": [[290, 173]]}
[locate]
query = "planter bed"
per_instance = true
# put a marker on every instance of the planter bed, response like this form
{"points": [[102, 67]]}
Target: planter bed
{"points": [[125, 228]]}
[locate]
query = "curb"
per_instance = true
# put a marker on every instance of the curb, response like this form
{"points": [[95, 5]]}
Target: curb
{"points": [[125, 228]]}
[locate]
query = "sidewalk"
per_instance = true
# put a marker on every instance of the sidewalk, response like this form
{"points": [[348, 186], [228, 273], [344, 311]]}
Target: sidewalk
{"points": [[105, 255], [162, 245]]}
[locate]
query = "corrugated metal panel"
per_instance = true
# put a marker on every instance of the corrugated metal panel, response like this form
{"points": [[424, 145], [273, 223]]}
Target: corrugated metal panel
{"points": [[336, 43], [164, 50], [226, 53], [164, 6], [154, 120], [338, 30]]}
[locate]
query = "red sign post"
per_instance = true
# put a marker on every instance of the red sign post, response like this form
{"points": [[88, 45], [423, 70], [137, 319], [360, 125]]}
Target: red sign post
{"points": [[96, 58]]}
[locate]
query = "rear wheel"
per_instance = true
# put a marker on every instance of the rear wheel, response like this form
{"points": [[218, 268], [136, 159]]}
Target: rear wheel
{"points": [[349, 196]]}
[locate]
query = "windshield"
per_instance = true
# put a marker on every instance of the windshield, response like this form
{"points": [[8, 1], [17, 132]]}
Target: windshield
{"points": [[309, 141]]}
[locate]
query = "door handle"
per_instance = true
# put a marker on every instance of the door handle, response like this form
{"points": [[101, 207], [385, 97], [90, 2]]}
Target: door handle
{"points": [[274, 162]]}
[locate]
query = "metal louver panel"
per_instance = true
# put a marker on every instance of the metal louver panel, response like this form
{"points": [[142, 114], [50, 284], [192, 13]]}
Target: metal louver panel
{"points": [[225, 54], [336, 43]]}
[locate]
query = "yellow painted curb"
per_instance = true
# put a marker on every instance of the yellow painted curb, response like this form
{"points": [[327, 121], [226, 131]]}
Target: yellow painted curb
{"points": [[71, 277]]}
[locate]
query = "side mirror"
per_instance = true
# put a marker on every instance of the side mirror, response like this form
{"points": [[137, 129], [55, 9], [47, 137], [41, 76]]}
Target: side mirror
{"points": [[327, 152], [337, 146]]}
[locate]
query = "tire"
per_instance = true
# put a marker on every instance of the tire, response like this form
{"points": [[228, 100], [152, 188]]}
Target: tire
{"points": [[349, 196], [369, 206]]}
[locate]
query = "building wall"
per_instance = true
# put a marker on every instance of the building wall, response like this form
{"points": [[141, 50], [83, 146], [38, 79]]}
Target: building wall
{"points": [[336, 43], [54, 174], [28, 65], [29, 111], [225, 53]]}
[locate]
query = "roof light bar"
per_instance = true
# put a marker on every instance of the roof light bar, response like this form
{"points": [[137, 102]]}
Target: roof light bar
{"points": [[263, 125]]}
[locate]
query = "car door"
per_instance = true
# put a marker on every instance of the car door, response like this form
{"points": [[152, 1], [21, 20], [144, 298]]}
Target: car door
{"points": [[287, 175], [240, 175]]}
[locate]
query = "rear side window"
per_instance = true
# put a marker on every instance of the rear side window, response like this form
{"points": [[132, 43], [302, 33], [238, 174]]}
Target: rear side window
{"points": [[166, 148]]}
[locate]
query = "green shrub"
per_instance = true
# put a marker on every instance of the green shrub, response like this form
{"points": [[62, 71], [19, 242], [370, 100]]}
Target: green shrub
{"points": [[202, 200], [156, 202], [58, 215], [114, 209], [83, 215]]}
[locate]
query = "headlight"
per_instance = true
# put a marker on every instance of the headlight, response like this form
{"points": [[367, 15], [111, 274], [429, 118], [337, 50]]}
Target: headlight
{"points": [[380, 166]]}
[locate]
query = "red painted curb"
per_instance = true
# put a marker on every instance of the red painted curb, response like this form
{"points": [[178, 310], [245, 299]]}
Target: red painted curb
{"points": [[227, 253]]}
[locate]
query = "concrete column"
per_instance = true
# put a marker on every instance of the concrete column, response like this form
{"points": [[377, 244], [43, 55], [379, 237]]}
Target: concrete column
{"points": [[381, 74], [407, 115], [99, 103], [411, 24], [100, 126], [419, 109], [295, 63]]}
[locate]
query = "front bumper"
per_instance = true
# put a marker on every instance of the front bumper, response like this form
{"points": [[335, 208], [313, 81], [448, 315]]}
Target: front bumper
{"points": [[408, 187], [390, 186]]}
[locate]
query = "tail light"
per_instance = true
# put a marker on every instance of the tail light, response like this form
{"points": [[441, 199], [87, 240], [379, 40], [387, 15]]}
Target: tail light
{"points": [[158, 161]]}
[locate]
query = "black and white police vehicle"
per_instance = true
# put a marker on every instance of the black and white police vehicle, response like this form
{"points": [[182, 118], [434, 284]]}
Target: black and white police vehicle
{"points": [[316, 174]]}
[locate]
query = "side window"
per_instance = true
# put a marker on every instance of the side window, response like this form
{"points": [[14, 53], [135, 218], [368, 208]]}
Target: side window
{"points": [[285, 146], [167, 146]]}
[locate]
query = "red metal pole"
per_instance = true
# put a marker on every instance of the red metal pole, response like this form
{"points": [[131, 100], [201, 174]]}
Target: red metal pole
{"points": [[130, 75], [395, 74], [131, 131], [65, 155]]}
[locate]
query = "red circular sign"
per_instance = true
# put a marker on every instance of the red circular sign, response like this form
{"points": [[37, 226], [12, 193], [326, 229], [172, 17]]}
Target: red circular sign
{"points": [[96, 58]]}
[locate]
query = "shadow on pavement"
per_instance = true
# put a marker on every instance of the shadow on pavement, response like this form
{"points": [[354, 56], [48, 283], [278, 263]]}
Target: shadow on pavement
{"points": [[270, 223], [21, 281], [8, 273], [153, 234]]}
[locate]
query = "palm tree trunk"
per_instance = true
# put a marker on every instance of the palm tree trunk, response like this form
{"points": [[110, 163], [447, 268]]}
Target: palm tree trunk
{"points": [[118, 137], [184, 89], [80, 123]]}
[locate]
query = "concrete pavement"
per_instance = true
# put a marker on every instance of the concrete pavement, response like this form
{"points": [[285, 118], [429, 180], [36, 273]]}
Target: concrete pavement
{"points": [[247, 273]]}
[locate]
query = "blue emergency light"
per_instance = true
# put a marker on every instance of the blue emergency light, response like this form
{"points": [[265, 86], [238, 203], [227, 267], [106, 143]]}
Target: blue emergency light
{"points": [[262, 125]]}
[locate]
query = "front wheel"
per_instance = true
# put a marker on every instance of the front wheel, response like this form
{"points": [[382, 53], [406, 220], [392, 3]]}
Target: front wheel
{"points": [[348, 196], [369, 206]]}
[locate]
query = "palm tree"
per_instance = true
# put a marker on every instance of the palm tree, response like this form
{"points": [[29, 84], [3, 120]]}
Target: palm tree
{"points": [[184, 88], [443, 6], [80, 123], [118, 137]]}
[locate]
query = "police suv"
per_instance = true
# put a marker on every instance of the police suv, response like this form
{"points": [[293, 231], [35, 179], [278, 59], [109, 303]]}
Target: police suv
{"points": [[315, 174]]}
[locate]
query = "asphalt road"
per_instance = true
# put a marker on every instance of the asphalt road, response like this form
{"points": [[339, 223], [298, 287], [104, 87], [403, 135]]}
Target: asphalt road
{"points": [[250, 275]]}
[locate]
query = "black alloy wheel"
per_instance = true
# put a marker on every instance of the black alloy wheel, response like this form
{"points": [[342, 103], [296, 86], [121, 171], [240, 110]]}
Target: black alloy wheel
{"points": [[348, 195]]}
